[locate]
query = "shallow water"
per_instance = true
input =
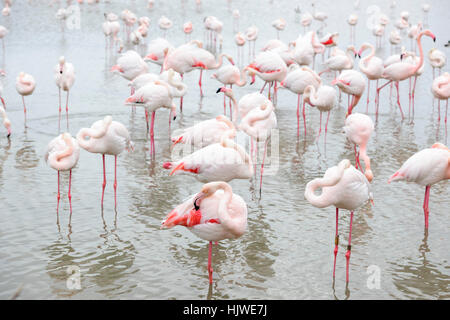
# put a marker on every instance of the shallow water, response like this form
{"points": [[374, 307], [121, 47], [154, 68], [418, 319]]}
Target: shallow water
{"points": [[287, 252]]}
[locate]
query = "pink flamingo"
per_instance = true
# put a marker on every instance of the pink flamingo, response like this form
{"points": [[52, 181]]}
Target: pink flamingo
{"points": [[165, 24], [281, 49], [211, 215], [339, 62], [222, 161], [156, 51], [358, 128], [206, 132], [64, 78], [371, 66], [344, 187], [25, 86], [251, 34], [106, 137], [62, 154], [296, 81], [6, 121], [130, 65], [441, 91], [239, 39], [426, 167], [323, 99], [153, 96], [279, 24], [402, 70], [437, 60], [352, 83], [187, 29], [258, 124]]}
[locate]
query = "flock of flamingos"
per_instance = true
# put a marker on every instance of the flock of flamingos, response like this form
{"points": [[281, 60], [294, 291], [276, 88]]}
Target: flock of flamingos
{"points": [[215, 213]]}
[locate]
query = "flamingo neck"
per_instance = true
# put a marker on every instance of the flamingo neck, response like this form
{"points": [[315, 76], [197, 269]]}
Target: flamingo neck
{"points": [[242, 78], [180, 87], [67, 151], [228, 143], [92, 134], [419, 44]]}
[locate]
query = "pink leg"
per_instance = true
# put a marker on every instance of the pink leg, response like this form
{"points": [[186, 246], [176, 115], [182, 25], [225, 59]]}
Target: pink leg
{"points": [[378, 96], [336, 241], [200, 82], [349, 247], [368, 93], [224, 105], [104, 178], [67, 110], [146, 117], [275, 92], [425, 205], [326, 126], [356, 157], [270, 86], [262, 89], [398, 100], [3, 102], [210, 269], [298, 116], [58, 196], [70, 195], [59, 116], [115, 181], [304, 117], [262, 168], [446, 111], [409, 106], [231, 107], [439, 110], [152, 134], [24, 111], [413, 96], [181, 99], [320, 127]]}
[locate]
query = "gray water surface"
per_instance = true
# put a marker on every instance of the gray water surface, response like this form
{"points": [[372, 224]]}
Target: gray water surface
{"points": [[287, 252]]}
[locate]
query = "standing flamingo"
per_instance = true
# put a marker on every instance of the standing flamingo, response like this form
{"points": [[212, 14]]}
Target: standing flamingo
{"points": [[352, 20], [213, 214], [441, 91], [426, 167], [258, 123], [402, 70], [371, 66], [239, 38], [64, 78], [223, 161], [130, 65], [358, 128], [156, 51], [206, 132], [339, 62], [62, 154], [395, 39], [323, 99], [187, 29], [437, 60], [251, 34], [296, 81], [236, 16], [106, 137], [279, 24], [6, 121], [25, 85], [153, 96], [352, 83], [344, 187]]}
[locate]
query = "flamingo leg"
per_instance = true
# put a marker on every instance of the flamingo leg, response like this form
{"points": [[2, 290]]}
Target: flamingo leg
{"points": [[115, 181], [413, 96], [298, 115], [446, 111], [377, 99], [426, 210], [59, 116], [262, 167], [67, 110], [336, 241], [409, 106], [262, 89], [320, 127], [210, 269], [326, 126], [224, 105], [349, 247], [152, 134], [58, 196], [200, 82], [304, 117], [24, 111], [104, 178], [231, 107], [3, 102], [356, 157], [70, 195], [181, 98], [368, 93], [398, 99], [270, 86], [146, 117], [439, 110]]}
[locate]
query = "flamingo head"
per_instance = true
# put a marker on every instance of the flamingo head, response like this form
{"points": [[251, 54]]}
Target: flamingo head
{"points": [[227, 91], [429, 33], [7, 125], [369, 175], [152, 56], [62, 61], [364, 46]]}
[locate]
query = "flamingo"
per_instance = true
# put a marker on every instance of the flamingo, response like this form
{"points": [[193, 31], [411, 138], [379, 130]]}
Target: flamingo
{"points": [[323, 99], [279, 24], [319, 16], [352, 20], [441, 91], [106, 137], [437, 59], [214, 26], [236, 16], [223, 161], [213, 214], [25, 86], [156, 51], [351, 82], [358, 128], [413, 31], [378, 32], [330, 39], [187, 29], [6, 121], [3, 32], [239, 38], [129, 18], [248, 102], [371, 66], [251, 34], [426, 167], [402, 70], [281, 49], [344, 187], [258, 123], [230, 75], [426, 8], [395, 39], [340, 62], [165, 24], [152, 96], [306, 20], [304, 51], [130, 65], [62, 154], [411, 58], [296, 81], [269, 67], [206, 132], [64, 78]]}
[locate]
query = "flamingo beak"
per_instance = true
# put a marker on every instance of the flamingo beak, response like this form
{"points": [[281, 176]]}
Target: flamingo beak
{"points": [[334, 81], [219, 90]]}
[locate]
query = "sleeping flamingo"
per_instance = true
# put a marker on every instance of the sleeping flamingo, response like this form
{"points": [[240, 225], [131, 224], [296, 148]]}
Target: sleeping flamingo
{"points": [[62, 154], [351, 82], [25, 85], [358, 128], [426, 167], [437, 60], [130, 65], [371, 66], [344, 187], [206, 132], [165, 24], [156, 51], [64, 78], [441, 91], [213, 214], [223, 161], [323, 99], [106, 137]]}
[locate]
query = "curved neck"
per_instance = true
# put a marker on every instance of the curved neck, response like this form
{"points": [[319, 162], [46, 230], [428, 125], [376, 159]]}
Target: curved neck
{"points": [[309, 95], [67, 151], [419, 44], [219, 61], [92, 134], [228, 143], [179, 86], [264, 112], [242, 78]]}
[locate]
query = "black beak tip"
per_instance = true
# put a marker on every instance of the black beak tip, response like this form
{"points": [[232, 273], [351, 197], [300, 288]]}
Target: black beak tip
{"points": [[174, 118], [8, 135], [359, 55], [218, 90], [60, 72], [434, 39]]}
